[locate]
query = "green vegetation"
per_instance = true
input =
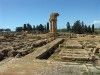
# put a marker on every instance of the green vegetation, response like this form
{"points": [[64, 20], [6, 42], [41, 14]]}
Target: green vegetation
{"points": [[5, 30], [28, 27], [68, 26], [80, 27]]}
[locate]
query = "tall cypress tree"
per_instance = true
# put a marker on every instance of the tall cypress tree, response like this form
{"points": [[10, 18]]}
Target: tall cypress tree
{"points": [[37, 27], [34, 27], [92, 28], [83, 27], [24, 27], [29, 27], [77, 28], [68, 26], [19, 29], [86, 29], [89, 29], [47, 26], [41, 27]]}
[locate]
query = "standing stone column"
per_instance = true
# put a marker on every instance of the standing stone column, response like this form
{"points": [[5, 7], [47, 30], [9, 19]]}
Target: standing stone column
{"points": [[53, 24]]}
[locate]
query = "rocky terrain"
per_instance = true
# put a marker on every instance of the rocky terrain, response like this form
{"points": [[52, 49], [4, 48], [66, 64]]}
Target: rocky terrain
{"points": [[69, 54], [20, 45]]}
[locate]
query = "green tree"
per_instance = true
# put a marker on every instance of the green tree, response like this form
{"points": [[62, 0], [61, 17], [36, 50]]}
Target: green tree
{"points": [[92, 28], [89, 29], [83, 27], [37, 27], [48, 26], [29, 27], [77, 28], [68, 26], [24, 27], [7, 30], [41, 27], [34, 27], [19, 29], [1, 30], [86, 29], [45, 28]]}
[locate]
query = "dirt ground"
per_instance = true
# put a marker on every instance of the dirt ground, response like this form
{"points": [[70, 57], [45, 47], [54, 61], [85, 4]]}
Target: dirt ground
{"points": [[54, 65]]}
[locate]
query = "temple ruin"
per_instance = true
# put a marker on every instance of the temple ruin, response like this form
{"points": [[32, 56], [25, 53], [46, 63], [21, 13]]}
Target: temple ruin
{"points": [[53, 23]]}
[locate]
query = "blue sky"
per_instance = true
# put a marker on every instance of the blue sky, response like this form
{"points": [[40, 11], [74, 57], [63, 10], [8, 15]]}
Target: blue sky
{"points": [[15, 13]]}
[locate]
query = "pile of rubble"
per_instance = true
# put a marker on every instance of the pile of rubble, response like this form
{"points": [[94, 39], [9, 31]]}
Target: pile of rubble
{"points": [[20, 46], [73, 44], [73, 50], [74, 54], [89, 44]]}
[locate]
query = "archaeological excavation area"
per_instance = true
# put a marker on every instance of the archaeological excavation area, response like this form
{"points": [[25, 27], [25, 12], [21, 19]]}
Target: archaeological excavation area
{"points": [[68, 54], [52, 53]]}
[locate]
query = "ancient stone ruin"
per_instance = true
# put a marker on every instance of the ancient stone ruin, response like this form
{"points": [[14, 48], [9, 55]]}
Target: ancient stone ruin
{"points": [[53, 23], [49, 54]]}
